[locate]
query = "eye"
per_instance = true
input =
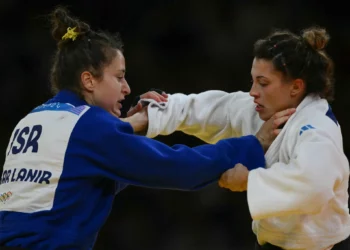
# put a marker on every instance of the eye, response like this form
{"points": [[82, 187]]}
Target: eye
{"points": [[263, 84]]}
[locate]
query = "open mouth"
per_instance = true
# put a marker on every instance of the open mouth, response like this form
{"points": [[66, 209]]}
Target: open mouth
{"points": [[120, 103], [259, 107]]}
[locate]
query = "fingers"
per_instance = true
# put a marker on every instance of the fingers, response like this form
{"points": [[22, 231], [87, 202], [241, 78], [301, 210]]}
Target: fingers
{"points": [[282, 117], [277, 131], [134, 109], [279, 121], [286, 112], [235, 179], [155, 96], [163, 97], [225, 177], [221, 183]]}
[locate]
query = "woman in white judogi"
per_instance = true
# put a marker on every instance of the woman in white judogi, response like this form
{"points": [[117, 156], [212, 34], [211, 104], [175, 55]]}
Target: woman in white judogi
{"points": [[300, 201]]}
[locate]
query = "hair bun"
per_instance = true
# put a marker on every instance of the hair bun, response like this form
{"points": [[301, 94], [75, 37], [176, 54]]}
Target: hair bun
{"points": [[61, 22], [316, 37]]}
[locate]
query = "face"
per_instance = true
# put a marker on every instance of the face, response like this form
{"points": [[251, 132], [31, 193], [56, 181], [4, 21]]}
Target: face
{"points": [[110, 90], [271, 92]]}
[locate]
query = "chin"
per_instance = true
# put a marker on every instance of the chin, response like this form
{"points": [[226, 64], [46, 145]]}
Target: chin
{"points": [[116, 113], [264, 117]]}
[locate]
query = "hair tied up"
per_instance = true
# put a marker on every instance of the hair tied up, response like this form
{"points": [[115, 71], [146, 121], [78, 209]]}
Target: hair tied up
{"points": [[70, 34], [316, 37]]}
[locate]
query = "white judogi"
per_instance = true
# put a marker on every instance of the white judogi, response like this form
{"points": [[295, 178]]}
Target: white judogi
{"points": [[300, 201]]}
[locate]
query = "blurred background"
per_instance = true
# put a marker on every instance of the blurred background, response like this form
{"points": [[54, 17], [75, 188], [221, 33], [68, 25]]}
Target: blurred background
{"points": [[184, 46]]}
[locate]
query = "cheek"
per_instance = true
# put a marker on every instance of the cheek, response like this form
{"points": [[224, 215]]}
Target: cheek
{"points": [[108, 94], [279, 101], [111, 97]]}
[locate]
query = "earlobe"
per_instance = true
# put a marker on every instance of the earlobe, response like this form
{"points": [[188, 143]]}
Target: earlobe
{"points": [[87, 81]]}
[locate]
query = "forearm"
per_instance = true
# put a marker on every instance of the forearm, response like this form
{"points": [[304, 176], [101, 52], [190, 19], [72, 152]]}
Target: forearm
{"points": [[202, 115]]}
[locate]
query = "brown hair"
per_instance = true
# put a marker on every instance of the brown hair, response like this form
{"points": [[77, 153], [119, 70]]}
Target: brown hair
{"points": [[301, 57], [89, 50]]}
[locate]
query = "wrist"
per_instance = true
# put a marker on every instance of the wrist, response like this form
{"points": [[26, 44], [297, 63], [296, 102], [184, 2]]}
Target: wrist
{"points": [[263, 142], [139, 128], [128, 120]]}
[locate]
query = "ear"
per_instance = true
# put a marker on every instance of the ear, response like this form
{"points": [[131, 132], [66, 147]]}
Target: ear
{"points": [[88, 81], [297, 87]]}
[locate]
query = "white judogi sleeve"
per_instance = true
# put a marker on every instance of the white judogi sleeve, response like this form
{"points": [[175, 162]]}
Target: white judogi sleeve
{"points": [[210, 115], [317, 166]]}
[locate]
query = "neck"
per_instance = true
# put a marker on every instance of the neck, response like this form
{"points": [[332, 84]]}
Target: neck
{"points": [[89, 99], [298, 100]]}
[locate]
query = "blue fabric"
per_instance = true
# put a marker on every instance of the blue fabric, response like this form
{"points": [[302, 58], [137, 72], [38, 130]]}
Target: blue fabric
{"points": [[331, 115], [103, 157]]}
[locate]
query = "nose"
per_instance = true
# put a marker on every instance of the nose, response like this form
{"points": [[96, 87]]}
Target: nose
{"points": [[253, 91], [126, 88]]}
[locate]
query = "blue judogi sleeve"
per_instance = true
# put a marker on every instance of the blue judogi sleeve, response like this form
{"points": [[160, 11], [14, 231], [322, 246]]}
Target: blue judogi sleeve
{"points": [[107, 147]]}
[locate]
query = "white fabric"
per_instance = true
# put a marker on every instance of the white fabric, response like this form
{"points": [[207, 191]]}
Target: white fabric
{"points": [[300, 201], [34, 173]]}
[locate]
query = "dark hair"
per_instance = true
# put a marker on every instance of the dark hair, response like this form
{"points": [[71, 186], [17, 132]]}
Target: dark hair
{"points": [[300, 57], [90, 51]]}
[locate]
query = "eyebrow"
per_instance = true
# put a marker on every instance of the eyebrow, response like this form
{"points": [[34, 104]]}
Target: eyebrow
{"points": [[259, 77]]}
